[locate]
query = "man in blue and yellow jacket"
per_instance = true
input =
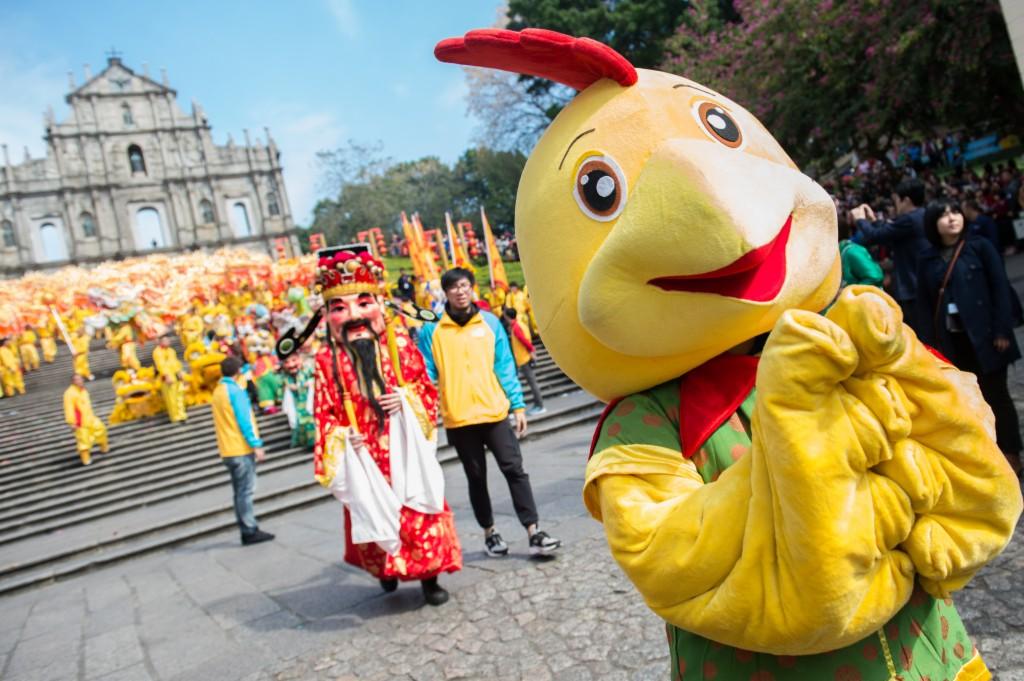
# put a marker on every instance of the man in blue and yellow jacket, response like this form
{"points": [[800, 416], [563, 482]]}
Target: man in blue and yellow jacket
{"points": [[469, 355], [238, 439]]}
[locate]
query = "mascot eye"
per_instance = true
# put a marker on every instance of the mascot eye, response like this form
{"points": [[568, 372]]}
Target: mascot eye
{"points": [[600, 188], [718, 124]]}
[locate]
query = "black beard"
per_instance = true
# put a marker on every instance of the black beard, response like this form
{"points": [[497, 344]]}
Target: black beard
{"points": [[363, 353]]}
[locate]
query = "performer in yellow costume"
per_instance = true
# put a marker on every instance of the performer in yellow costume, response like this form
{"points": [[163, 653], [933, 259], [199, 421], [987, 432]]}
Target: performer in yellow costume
{"points": [[124, 340], [191, 330], [172, 379], [519, 300], [47, 342], [80, 348], [10, 370], [790, 479], [89, 430], [27, 348]]}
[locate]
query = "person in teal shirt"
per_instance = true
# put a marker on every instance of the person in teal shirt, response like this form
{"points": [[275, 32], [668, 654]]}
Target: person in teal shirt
{"points": [[858, 265]]}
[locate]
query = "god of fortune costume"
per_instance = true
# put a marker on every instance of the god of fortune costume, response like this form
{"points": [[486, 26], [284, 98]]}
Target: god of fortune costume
{"points": [[80, 346], [428, 544], [298, 405], [89, 430], [47, 342], [172, 387], [10, 371], [27, 349], [802, 514]]}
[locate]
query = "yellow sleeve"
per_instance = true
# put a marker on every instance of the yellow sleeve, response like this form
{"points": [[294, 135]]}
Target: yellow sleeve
{"points": [[166, 361], [869, 461], [792, 551], [965, 495], [69, 408]]}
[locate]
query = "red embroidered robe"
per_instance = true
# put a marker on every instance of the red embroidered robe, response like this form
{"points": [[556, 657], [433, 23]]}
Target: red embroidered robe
{"points": [[429, 542]]}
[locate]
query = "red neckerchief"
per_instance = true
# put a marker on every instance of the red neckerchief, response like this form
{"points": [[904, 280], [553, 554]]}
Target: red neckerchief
{"points": [[708, 396]]}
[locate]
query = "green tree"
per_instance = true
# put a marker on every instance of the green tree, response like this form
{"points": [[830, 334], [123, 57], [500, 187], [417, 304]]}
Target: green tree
{"points": [[489, 178], [826, 77], [515, 110], [369, 190], [636, 29]]}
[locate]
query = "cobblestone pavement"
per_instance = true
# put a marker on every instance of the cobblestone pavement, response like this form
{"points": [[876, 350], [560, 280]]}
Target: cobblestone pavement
{"points": [[577, 617], [992, 607], [573, 617]]}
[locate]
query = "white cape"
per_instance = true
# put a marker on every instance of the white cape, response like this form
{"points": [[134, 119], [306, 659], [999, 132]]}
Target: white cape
{"points": [[417, 481], [416, 476], [373, 507]]}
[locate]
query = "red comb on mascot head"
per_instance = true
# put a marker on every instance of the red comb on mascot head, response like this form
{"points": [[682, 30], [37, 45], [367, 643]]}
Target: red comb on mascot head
{"points": [[803, 512]]}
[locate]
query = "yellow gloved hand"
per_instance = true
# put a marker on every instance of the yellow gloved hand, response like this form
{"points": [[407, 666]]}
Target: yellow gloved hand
{"points": [[793, 550], [965, 496]]}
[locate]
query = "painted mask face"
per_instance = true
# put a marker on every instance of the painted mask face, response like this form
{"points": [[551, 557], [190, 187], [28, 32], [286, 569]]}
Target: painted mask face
{"points": [[292, 364], [354, 316]]}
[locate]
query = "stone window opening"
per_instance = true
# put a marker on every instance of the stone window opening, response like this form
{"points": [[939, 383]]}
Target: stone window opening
{"points": [[206, 212], [136, 160], [149, 229], [88, 225], [52, 243], [126, 115], [240, 220], [7, 230], [272, 206]]}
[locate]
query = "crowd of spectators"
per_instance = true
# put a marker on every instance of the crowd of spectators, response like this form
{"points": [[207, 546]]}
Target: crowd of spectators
{"points": [[990, 195], [938, 236]]}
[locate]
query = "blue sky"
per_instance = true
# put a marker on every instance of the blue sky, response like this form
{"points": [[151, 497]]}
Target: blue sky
{"points": [[316, 72]]}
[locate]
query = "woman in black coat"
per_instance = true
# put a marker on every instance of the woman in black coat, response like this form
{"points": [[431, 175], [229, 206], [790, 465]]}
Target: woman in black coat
{"points": [[970, 320]]}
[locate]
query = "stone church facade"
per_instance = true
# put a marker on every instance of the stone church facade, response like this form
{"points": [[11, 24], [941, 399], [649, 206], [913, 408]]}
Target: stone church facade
{"points": [[129, 173]]}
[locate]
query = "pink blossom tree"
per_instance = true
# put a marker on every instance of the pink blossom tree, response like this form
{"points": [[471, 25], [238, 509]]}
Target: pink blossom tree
{"points": [[837, 75]]}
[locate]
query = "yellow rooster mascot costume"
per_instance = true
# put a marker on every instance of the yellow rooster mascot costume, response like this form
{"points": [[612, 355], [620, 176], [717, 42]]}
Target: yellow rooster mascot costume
{"points": [[788, 476]]}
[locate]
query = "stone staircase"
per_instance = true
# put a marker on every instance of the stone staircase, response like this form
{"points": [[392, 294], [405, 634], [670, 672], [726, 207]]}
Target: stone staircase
{"points": [[162, 483]]}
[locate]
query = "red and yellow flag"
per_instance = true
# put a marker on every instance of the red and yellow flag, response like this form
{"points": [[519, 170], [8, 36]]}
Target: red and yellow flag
{"points": [[413, 244], [430, 271], [459, 256], [499, 280]]}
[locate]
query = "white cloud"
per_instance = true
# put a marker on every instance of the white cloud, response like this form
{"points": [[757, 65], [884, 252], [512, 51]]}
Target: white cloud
{"points": [[25, 93], [344, 13], [299, 133]]}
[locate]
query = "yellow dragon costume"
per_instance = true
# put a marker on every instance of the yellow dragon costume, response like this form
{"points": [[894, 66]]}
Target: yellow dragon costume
{"points": [[796, 493]]}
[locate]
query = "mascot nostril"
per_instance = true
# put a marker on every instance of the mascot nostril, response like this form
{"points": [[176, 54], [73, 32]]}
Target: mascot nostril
{"points": [[789, 477]]}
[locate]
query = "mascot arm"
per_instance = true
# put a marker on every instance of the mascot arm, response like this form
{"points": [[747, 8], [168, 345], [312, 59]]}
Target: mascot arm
{"points": [[964, 494], [793, 550]]}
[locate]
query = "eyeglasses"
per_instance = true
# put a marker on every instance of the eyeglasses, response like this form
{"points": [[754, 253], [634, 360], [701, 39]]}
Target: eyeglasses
{"points": [[463, 285]]}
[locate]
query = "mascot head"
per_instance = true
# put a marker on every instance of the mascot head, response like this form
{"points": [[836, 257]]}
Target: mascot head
{"points": [[659, 223]]}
